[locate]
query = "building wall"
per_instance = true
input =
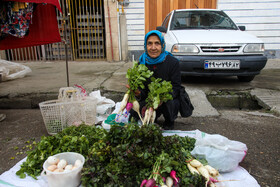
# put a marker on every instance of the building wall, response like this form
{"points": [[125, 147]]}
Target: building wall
{"points": [[135, 21], [261, 18], [112, 31]]}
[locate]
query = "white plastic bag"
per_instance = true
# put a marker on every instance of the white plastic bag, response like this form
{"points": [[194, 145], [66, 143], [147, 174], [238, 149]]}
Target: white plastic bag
{"points": [[123, 117], [104, 106], [220, 152], [11, 70]]}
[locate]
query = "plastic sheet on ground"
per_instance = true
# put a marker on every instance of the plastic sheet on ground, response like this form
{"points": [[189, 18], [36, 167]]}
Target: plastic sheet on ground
{"points": [[239, 177], [11, 70]]}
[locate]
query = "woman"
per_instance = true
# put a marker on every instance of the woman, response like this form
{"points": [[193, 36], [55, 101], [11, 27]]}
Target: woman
{"points": [[166, 67]]}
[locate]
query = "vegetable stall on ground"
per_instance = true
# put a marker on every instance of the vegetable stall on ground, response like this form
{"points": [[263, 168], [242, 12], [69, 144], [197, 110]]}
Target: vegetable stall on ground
{"points": [[122, 156], [134, 154]]}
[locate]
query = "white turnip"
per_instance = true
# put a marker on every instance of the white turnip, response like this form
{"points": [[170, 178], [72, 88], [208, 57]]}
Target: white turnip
{"points": [[169, 182], [195, 163], [212, 171], [124, 102], [136, 108], [153, 117], [204, 172], [146, 117], [192, 169]]}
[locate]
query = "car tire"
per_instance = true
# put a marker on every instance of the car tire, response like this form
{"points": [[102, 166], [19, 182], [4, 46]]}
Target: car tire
{"points": [[245, 78]]}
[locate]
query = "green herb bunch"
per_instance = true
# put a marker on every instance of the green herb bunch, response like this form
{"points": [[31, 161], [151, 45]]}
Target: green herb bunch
{"points": [[136, 77], [159, 91], [72, 139], [128, 154]]}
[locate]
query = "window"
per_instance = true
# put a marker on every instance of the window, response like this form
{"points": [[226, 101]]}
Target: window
{"points": [[166, 21], [201, 20]]}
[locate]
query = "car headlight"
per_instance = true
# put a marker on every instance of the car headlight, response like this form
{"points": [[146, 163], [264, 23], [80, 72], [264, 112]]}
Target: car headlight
{"points": [[183, 49], [254, 48]]}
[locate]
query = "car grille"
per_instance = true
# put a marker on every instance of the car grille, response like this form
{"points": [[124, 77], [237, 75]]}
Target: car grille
{"points": [[217, 49]]}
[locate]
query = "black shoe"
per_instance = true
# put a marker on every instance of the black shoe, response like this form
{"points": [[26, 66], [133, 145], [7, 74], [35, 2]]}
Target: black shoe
{"points": [[168, 125]]}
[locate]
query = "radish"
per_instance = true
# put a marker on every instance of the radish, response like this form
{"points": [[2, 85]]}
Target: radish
{"points": [[204, 172], [128, 107], [195, 163], [143, 182], [151, 183], [192, 169], [173, 175], [213, 180], [124, 102], [169, 181], [146, 117], [212, 171], [150, 113], [153, 117], [136, 107]]}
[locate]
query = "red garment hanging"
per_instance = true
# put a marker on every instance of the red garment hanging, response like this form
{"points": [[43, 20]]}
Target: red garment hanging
{"points": [[43, 30]]}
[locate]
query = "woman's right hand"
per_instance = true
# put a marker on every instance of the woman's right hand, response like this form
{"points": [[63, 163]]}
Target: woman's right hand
{"points": [[136, 92]]}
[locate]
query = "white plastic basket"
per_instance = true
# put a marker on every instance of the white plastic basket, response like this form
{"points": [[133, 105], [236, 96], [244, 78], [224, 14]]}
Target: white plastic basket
{"points": [[64, 112], [67, 178]]}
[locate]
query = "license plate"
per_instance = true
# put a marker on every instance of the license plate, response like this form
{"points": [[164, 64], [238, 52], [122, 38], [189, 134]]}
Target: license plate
{"points": [[222, 64]]}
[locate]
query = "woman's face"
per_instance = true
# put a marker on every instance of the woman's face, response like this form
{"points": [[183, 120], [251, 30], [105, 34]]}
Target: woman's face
{"points": [[153, 46]]}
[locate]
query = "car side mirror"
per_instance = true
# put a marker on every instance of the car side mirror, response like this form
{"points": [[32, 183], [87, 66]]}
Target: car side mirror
{"points": [[161, 29], [242, 28]]}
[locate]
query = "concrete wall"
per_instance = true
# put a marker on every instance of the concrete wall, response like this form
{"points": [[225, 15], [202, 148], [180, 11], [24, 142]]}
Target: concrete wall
{"points": [[261, 18], [135, 21], [112, 34]]}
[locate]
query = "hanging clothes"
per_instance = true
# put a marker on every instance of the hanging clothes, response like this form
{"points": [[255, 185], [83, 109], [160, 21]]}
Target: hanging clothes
{"points": [[42, 30], [16, 17]]}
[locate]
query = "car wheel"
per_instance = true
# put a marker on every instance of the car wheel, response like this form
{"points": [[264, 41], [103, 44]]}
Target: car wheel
{"points": [[245, 78]]}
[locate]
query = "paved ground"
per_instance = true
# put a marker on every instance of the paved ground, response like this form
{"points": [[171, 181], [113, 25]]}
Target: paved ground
{"points": [[258, 129]]}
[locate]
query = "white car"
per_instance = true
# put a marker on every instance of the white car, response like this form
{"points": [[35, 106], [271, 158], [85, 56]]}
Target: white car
{"points": [[208, 43]]}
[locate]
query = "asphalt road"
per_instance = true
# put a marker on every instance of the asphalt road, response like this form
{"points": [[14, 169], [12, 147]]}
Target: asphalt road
{"points": [[258, 130]]}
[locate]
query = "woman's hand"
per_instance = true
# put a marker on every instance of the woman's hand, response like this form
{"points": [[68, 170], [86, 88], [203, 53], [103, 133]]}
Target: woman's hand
{"points": [[136, 92]]}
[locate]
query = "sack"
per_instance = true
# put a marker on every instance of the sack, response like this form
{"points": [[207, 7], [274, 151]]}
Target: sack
{"points": [[220, 152], [186, 107]]}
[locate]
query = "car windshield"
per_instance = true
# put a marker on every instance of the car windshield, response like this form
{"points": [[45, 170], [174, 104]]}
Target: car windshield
{"points": [[201, 20]]}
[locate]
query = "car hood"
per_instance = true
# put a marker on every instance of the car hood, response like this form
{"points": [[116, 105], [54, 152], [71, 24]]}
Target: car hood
{"points": [[214, 36]]}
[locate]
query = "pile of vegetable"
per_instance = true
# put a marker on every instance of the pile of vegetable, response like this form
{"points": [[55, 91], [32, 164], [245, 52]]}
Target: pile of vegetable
{"points": [[72, 139], [125, 156], [130, 154]]}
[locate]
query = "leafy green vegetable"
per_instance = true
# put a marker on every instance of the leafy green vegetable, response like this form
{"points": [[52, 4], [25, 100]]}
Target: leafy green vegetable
{"points": [[127, 156], [136, 77], [123, 156], [159, 91], [74, 139]]}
